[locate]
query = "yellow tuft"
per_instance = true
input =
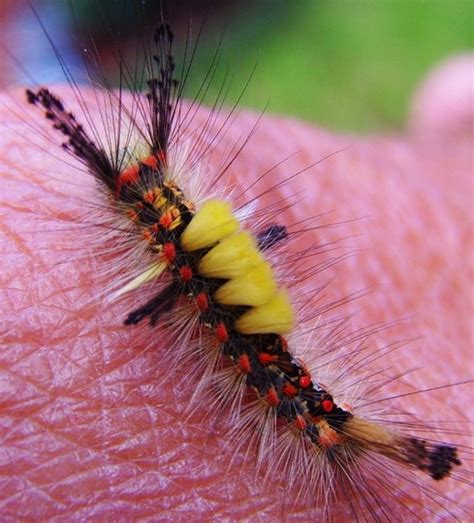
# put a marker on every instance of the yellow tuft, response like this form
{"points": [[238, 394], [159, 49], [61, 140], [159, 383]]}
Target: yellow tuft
{"points": [[213, 222], [276, 316], [254, 288], [231, 258], [153, 272]]}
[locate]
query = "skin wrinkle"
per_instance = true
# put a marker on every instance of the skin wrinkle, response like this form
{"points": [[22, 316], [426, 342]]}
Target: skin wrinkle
{"points": [[107, 415]]}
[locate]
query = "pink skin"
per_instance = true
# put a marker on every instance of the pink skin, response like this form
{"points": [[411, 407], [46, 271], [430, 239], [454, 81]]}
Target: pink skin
{"points": [[92, 423]]}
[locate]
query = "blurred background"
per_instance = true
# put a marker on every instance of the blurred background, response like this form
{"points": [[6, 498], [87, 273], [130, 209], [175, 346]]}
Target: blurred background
{"points": [[349, 65]]}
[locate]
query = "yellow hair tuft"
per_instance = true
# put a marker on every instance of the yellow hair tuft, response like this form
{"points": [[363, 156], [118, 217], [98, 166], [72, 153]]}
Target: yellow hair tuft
{"points": [[254, 288], [275, 316], [231, 258], [213, 222], [153, 272]]}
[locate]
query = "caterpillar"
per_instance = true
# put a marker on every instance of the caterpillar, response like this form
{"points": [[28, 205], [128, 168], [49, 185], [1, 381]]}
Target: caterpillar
{"points": [[223, 313]]}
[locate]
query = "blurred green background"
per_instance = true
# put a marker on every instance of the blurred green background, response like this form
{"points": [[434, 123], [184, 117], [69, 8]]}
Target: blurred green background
{"points": [[346, 64]]}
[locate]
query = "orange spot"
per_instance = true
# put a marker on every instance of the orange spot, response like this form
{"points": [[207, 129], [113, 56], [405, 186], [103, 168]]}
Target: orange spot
{"points": [[300, 422], [202, 301], [149, 196], [166, 220], [186, 273], [156, 159], [327, 405], [221, 333], [244, 364], [272, 397], [265, 359], [169, 252], [305, 381], [129, 175], [151, 161], [133, 215], [328, 437], [148, 236], [289, 390]]}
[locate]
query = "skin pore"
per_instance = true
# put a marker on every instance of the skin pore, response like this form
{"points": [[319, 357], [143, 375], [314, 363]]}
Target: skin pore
{"points": [[93, 424]]}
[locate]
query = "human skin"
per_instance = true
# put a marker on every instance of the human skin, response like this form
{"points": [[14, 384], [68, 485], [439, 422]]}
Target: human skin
{"points": [[92, 422]]}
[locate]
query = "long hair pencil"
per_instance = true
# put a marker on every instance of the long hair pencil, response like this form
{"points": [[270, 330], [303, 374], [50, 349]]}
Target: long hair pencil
{"points": [[255, 393]]}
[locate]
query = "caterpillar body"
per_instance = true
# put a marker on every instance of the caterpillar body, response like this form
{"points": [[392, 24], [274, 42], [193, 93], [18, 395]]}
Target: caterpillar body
{"points": [[218, 290]]}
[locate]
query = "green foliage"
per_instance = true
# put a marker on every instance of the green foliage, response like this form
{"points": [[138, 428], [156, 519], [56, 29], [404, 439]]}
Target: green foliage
{"points": [[346, 64]]}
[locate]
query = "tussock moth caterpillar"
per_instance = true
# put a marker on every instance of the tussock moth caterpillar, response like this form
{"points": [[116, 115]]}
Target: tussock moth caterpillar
{"points": [[228, 267]]}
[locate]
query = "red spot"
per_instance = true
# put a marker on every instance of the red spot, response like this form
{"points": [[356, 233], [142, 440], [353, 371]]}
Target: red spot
{"points": [[133, 215], [166, 220], [221, 333], [290, 390], [244, 364], [129, 175], [272, 397], [154, 160], [161, 157], [300, 422], [155, 227], [169, 252], [327, 405], [328, 437], [151, 161], [305, 381], [149, 196], [284, 344], [265, 359], [202, 301], [186, 273], [148, 236]]}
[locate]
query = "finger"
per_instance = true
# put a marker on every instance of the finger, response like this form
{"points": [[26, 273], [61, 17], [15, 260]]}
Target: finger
{"points": [[444, 103]]}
